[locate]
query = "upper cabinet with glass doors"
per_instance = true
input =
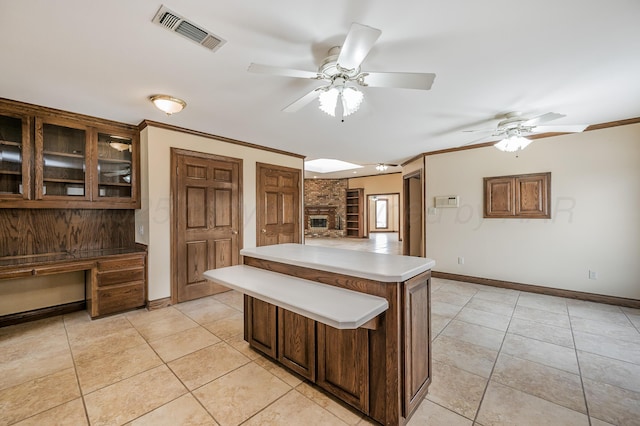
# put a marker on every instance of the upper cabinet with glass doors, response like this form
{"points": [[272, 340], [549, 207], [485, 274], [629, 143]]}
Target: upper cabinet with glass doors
{"points": [[116, 178], [15, 154], [54, 159]]}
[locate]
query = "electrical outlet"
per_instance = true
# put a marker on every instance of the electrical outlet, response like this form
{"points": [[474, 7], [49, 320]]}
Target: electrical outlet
{"points": [[460, 260], [141, 229], [593, 275]]}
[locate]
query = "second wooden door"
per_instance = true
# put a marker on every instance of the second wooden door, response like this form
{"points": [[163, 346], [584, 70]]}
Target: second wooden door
{"points": [[278, 205]]}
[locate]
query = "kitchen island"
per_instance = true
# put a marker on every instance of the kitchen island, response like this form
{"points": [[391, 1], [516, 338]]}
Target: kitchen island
{"points": [[379, 361]]}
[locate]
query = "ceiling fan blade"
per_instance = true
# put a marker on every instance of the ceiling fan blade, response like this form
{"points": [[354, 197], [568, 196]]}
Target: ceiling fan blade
{"points": [[301, 102], [483, 139], [493, 129], [284, 72], [357, 45], [576, 128], [404, 80], [542, 118]]}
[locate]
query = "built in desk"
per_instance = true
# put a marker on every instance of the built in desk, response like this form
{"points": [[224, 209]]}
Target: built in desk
{"points": [[115, 279], [379, 359]]}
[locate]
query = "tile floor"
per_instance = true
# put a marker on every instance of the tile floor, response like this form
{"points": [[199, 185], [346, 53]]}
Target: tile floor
{"points": [[500, 357]]}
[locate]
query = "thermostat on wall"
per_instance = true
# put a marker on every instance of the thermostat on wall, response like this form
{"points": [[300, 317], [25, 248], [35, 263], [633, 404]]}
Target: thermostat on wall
{"points": [[447, 201]]}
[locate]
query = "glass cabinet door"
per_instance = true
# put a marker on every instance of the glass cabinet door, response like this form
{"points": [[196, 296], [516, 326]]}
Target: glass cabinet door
{"points": [[115, 166], [62, 153], [14, 147]]}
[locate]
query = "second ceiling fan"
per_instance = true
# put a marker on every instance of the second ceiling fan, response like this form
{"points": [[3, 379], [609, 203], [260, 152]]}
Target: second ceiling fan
{"points": [[341, 70]]}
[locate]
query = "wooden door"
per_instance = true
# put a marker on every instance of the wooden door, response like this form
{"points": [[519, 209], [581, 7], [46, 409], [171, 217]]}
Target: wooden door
{"points": [[278, 205], [413, 223], [205, 220]]}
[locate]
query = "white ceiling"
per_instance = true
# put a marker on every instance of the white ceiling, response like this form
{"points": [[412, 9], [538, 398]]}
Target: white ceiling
{"points": [[104, 58]]}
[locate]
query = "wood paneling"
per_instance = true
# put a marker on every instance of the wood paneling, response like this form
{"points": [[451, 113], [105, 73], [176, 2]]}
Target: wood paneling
{"points": [[25, 232]]}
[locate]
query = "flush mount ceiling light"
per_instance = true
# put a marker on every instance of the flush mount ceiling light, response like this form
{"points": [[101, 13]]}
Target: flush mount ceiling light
{"points": [[513, 142], [168, 104], [381, 167]]}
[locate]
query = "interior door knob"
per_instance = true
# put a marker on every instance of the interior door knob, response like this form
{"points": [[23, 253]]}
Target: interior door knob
{"points": [[264, 231], [234, 232]]}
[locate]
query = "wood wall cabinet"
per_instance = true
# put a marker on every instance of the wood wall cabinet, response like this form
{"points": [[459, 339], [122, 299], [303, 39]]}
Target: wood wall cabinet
{"points": [[55, 159], [355, 213], [518, 196]]}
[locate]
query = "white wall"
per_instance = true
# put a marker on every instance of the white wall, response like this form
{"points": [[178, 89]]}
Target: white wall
{"points": [[595, 223], [154, 217]]}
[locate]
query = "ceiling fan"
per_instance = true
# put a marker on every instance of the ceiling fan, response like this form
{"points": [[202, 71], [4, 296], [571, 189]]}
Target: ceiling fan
{"points": [[342, 73], [514, 125]]}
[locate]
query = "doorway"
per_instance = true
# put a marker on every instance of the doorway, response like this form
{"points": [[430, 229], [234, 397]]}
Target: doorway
{"points": [[383, 213], [205, 218], [413, 238]]}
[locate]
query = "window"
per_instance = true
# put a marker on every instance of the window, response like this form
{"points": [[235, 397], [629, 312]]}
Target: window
{"points": [[382, 217]]}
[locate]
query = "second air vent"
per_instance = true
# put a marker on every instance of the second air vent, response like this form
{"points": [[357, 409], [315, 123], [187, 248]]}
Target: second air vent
{"points": [[178, 24]]}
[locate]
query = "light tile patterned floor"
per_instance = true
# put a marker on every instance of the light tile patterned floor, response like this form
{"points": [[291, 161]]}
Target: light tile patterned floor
{"points": [[500, 357]]}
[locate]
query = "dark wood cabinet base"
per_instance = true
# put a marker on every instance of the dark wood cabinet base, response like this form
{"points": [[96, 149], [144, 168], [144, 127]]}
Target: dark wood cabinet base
{"points": [[383, 372]]}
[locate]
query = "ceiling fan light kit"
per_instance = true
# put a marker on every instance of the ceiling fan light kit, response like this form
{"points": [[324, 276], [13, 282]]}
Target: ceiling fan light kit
{"points": [[514, 125], [349, 98], [341, 69], [512, 144]]}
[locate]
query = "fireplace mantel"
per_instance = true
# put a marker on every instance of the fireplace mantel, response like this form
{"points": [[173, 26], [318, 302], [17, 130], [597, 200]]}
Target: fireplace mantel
{"points": [[320, 209]]}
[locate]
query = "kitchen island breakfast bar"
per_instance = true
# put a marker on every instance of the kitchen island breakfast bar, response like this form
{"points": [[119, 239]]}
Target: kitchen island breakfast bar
{"points": [[355, 323]]}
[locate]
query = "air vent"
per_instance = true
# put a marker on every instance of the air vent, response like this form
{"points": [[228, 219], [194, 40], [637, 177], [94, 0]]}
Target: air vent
{"points": [[176, 23]]}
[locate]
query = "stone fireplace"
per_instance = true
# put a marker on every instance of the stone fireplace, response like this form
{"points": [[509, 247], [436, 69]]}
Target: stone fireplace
{"points": [[325, 199], [322, 221]]}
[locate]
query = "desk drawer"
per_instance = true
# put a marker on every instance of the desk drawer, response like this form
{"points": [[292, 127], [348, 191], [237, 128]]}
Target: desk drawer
{"points": [[120, 263], [120, 277], [120, 298]]}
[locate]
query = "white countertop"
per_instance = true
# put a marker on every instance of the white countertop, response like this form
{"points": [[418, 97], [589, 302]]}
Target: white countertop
{"points": [[337, 307], [373, 266]]}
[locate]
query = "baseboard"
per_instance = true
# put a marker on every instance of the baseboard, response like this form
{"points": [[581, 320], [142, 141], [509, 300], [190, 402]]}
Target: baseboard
{"points": [[158, 303], [41, 313], [571, 294]]}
